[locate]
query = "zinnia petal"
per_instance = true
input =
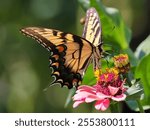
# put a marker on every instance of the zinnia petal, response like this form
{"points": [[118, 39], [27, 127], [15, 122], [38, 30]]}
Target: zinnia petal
{"points": [[102, 104], [119, 97], [77, 103], [102, 96], [85, 88], [81, 95], [91, 98], [113, 90]]}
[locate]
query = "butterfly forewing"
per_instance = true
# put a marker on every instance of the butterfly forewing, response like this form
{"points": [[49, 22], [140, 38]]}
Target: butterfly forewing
{"points": [[92, 27], [70, 53], [92, 33]]}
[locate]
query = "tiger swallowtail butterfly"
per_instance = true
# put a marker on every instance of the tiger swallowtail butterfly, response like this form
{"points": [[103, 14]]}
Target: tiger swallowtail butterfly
{"points": [[71, 54]]}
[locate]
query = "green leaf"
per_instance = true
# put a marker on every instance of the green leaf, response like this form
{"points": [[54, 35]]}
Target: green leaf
{"points": [[133, 105], [135, 92], [134, 95], [89, 78], [142, 71], [143, 49], [146, 103]]}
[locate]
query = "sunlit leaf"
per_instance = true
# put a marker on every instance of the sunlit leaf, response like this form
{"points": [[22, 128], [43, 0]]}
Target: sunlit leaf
{"points": [[143, 49], [134, 93], [143, 72], [89, 78]]}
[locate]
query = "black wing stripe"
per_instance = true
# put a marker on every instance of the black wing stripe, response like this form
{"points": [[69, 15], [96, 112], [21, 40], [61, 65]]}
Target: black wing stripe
{"points": [[43, 41]]}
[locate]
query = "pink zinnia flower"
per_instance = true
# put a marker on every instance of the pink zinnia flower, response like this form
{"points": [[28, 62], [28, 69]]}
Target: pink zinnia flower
{"points": [[109, 86]]}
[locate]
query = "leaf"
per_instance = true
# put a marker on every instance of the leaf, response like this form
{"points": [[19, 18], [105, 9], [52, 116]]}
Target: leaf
{"points": [[135, 92], [89, 78], [146, 103], [143, 49], [132, 105], [142, 71], [69, 97]]}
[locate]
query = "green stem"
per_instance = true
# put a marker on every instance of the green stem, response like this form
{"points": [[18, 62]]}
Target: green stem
{"points": [[115, 107], [140, 106], [69, 98]]}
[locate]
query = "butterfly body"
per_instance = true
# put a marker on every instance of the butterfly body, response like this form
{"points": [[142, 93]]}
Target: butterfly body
{"points": [[70, 54]]}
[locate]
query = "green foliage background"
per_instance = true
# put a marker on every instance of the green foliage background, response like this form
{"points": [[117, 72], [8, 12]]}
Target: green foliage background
{"points": [[24, 72]]}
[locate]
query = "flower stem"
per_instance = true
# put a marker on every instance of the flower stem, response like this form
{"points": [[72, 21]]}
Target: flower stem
{"points": [[140, 106], [115, 107]]}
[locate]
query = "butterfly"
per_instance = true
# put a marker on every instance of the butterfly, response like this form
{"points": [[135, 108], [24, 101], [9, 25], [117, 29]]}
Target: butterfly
{"points": [[71, 54]]}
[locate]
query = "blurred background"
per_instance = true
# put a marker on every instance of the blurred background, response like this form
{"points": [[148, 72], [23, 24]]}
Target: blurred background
{"points": [[24, 71]]}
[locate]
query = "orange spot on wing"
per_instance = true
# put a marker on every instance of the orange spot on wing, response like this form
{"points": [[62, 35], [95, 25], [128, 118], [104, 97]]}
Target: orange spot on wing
{"points": [[56, 64], [75, 82], [60, 48], [56, 57]]}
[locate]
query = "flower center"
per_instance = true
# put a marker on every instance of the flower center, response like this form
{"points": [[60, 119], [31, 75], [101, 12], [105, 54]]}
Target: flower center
{"points": [[107, 80]]}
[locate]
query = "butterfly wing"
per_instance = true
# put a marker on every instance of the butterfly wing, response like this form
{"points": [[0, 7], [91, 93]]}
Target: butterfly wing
{"points": [[92, 33], [70, 57], [92, 27]]}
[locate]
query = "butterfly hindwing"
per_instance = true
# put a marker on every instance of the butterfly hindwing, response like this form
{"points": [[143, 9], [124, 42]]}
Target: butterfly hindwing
{"points": [[70, 56]]}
